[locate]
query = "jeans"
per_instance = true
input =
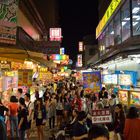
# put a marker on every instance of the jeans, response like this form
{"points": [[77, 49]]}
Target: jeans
{"points": [[22, 134], [14, 125], [52, 122]]}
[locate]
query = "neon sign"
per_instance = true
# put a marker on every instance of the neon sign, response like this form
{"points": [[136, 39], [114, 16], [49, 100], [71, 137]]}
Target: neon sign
{"points": [[59, 57], [109, 12]]}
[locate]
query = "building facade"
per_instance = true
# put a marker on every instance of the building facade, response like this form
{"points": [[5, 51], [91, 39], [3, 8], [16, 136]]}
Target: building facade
{"points": [[118, 35]]}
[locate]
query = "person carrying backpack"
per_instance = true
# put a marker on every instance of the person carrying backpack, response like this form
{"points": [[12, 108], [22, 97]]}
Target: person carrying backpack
{"points": [[22, 116], [30, 108]]}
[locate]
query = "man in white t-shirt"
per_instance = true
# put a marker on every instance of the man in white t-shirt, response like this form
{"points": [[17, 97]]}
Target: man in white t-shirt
{"points": [[30, 107]]}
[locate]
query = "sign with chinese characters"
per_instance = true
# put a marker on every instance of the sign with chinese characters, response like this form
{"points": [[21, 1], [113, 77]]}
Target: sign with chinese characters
{"points": [[101, 116], [62, 51], [4, 65], [81, 46], [25, 77], [79, 60], [109, 12], [55, 34], [8, 21]]}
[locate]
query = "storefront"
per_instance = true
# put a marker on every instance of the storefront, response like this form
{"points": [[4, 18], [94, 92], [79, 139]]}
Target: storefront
{"points": [[130, 97], [123, 24]]}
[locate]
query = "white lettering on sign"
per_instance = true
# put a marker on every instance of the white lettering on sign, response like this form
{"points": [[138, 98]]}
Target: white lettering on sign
{"points": [[101, 116]]}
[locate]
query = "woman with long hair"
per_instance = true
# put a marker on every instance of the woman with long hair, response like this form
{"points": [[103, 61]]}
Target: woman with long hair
{"points": [[52, 111], [132, 125], [59, 109], [40, 117], [22, 117], [67, 106], [119, 120], [3, 109]]}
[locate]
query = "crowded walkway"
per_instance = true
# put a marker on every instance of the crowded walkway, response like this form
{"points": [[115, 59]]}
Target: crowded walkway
{"points": [[64, 111]]}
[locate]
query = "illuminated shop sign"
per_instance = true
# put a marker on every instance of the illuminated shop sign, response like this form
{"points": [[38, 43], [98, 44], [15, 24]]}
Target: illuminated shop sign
{"points": [[59, 57], [109, 12], [81, 45], [55, 34], [62, 51], [79, 60]]}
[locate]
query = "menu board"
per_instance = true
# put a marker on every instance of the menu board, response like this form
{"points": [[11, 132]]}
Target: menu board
{"points": [[135, 98], [125, 79], [110, 79], [123, 96]]}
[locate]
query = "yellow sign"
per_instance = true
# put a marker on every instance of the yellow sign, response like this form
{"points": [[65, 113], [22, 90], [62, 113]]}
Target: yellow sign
{"points": [[109, 12], [25, 77]]}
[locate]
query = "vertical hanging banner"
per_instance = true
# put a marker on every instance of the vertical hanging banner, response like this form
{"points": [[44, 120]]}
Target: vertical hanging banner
{"points": [[8, 21], [81, 46], [92, 81], [79, 60], [25, 77]]}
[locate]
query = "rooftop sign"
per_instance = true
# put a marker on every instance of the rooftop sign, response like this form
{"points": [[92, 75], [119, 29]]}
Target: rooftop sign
{"points": [[109, 12]]}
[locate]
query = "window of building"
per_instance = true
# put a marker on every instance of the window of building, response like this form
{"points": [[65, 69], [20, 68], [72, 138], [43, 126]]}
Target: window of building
{"points": [[117, 29], [125, 20], [136, 17], [106, 37], [111, 34], [101, 43], [104, 42]]}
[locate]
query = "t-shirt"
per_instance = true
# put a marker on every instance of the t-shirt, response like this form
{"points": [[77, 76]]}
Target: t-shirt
{"points": [[79, 129], [2, 110], [30, 106], [23, 114], [13, 107]]}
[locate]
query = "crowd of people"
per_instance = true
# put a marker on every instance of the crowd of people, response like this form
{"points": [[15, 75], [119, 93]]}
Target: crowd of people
{"points": [[68, 110]]}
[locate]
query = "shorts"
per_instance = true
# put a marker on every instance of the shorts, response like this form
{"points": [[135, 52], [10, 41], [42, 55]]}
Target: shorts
{"points": [[59, 112], [29, 125], [39, 122]]}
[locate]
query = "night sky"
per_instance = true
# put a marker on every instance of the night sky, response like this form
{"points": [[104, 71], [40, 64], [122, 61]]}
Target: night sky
{"points": [[78, 18]]}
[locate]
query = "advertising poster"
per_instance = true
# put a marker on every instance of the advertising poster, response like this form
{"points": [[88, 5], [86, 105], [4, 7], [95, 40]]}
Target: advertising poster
{"points": [[135, 98], [125, 79], [110, 79], [25, 77], [123, 96], [8, 21], [92, 81]]}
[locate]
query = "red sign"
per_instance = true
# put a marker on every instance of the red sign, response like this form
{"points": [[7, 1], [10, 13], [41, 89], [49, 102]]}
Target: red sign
{"points": [[55, 34], [101, 116]]}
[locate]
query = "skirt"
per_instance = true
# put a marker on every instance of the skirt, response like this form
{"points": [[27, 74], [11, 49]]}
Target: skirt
{"points": [[59, 112], [39, 122]]}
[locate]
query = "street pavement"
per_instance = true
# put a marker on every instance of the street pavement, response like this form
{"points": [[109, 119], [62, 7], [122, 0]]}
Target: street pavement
{"points": [[47, 133]]}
